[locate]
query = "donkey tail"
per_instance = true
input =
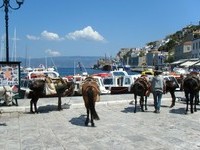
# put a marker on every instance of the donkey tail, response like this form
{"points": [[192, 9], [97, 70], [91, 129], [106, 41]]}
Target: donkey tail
{"points": [[90, 94]]}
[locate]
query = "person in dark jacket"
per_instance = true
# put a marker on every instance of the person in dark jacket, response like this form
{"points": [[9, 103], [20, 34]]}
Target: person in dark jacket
{"points": [[158, 88]]}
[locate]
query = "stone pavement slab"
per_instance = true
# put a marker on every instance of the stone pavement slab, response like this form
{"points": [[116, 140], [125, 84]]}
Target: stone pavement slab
{"points": [[119, 128]]}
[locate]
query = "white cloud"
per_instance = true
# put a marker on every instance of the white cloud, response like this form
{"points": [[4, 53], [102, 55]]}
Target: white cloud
{"points": [[52, 52], [50, 36], [86, 33], [32, 37]]}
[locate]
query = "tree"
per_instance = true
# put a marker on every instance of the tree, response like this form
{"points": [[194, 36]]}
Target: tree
{"points": [[169, 59], [142, 53]]}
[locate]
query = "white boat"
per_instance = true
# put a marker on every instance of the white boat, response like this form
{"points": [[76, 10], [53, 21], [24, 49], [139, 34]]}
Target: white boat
{"points": [[40, 73], [119, 82], [35, 74], [79, 79], [102, 87]]}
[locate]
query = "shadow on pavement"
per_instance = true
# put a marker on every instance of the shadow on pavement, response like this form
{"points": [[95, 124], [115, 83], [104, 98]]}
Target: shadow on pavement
{"points": [[3, 124], [49, 108], [79, 121], [180, 111], [129, 109]]}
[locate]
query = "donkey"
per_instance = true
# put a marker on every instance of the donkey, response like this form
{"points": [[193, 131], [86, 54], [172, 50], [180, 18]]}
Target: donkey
{"points": [[90, 93], [41, 88], [191, 87], [141, 87]]}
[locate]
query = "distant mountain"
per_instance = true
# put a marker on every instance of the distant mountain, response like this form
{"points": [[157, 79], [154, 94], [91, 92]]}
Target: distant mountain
{"points": [[62, 61]]}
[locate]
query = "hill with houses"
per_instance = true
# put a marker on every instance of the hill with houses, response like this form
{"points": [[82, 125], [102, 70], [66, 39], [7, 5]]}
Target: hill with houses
{"points": [[183, 44]]}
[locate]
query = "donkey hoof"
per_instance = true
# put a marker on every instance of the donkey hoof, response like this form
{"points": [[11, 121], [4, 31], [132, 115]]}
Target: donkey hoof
{"points": [[92, 125], [86, 123], [59, 109]]}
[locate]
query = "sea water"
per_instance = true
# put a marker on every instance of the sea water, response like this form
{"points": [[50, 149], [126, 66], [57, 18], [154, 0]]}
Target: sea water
{"points": [[71, 71]]}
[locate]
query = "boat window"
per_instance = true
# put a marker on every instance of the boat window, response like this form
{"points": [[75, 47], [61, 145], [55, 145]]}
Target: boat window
{"points": [[120, 81], [118, 74], [108, 81], [127, 81], [148, 73], [101, 82]]}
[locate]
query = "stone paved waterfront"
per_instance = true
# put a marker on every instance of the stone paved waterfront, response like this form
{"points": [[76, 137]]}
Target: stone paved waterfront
{"points": [[118, 128]]}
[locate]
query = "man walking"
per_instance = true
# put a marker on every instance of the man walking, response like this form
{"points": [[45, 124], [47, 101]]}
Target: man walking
{"points": [[158, 88]]}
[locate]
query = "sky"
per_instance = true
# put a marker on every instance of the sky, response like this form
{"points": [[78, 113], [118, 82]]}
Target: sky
{"points": [[92, 27]]}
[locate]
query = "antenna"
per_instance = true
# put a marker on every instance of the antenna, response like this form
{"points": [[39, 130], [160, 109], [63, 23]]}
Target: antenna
{"points": [[25, 57]]}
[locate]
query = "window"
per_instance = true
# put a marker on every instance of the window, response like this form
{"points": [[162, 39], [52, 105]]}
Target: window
{"points": [[108, 81], [199, 44], [118, 73], [127, 81]]}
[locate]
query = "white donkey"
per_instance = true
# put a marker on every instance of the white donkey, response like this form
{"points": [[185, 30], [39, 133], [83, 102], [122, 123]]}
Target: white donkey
{"points": [[6, 94]]}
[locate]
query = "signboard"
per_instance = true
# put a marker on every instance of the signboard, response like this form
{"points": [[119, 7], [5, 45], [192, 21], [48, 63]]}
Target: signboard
{"points": [[10, 73]]}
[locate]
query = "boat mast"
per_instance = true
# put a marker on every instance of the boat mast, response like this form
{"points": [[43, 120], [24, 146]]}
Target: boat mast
{"points": [[74, 68], [14, 54], [2, 47], [25, 63], [55, 67], [46, 62]]}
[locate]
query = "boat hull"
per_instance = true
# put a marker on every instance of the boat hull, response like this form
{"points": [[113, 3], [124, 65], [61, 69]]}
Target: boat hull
{"points": [[119, 90]]}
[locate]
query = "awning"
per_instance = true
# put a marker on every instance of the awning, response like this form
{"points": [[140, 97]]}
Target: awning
{"points": [[197, 64], [188, 63], [178, 62]]}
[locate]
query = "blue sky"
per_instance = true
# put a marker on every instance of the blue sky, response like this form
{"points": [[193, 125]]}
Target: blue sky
{"points": [[93, 27]]}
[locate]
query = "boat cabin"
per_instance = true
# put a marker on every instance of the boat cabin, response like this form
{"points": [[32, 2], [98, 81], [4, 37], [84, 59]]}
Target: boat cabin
{"points": [[118, 84], [41, 74]]}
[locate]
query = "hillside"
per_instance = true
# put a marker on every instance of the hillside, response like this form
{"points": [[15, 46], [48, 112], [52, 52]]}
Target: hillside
{"points": [[167, 44]]}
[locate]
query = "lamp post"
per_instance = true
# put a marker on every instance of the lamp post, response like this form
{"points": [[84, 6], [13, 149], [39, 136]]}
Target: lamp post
{"points": [[6, 5]]}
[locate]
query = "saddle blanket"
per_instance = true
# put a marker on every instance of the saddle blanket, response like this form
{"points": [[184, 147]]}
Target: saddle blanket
{"points": [[50, 89]]}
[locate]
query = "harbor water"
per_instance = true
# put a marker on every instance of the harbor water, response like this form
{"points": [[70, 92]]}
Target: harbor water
{"points": [[71, 71]]}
